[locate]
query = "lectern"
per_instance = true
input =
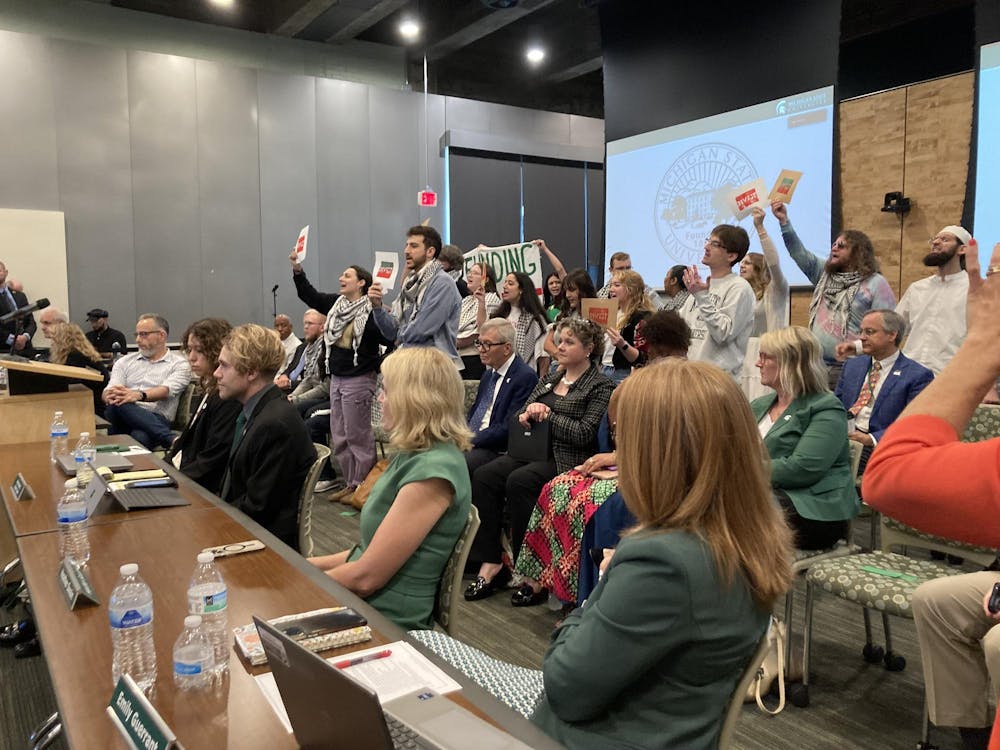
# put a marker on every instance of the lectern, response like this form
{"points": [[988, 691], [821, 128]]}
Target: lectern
{"points": [[37, 391]]}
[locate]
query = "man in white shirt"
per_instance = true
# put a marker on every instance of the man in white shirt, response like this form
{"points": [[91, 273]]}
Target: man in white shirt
{"points": [[283, 325], [720, 309], [143, 392]]}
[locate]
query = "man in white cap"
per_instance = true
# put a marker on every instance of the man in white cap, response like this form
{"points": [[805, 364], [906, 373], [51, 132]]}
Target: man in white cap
{"points": [[934, 308]]}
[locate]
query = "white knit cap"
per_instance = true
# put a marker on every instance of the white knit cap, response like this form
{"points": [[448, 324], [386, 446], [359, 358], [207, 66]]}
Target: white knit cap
{"points": [[960, 232]]}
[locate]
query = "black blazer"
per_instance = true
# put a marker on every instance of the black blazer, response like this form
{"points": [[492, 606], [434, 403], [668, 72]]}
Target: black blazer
{"points": [[206, 440], [266, 472], [28, 324], [516, 386]]}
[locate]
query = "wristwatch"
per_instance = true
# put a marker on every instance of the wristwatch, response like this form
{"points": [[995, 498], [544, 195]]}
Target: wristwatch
{"points": [[143, 396]]}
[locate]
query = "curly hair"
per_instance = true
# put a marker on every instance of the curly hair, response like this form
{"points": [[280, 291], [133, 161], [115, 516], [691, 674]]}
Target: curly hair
{"points": [[210, 332], [587, 333], [68, 338]]}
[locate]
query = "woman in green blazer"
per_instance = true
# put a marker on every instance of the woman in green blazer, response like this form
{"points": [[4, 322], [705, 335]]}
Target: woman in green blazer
{"points": [[804, 428]]}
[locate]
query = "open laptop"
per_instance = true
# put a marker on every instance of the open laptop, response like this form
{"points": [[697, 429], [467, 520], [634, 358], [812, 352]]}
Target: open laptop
{"points": [[141, 493], [112, 461], [330, 711]]}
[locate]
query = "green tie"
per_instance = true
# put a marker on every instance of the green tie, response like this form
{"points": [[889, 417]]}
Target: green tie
{"points": [[241, 422]]}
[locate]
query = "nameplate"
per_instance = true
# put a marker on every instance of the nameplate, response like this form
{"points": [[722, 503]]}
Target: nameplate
{"points": [[76, 586], [20, 489], [137, 720]]}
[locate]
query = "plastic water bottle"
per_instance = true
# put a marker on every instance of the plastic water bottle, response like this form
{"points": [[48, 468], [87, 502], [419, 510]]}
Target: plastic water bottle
{"points": [[58, 437], [130, 610], [208, 597], [83, 457], [193, 656], [71, 511], [116, 352]]}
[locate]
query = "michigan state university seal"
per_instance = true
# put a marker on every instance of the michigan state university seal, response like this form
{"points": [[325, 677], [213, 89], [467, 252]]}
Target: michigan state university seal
{"points": [[693, 197]]}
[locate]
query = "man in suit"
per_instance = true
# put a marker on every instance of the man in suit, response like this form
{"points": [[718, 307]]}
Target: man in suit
{"points": [[272, 452], [877, 386], [15, 337], [502, 391]]}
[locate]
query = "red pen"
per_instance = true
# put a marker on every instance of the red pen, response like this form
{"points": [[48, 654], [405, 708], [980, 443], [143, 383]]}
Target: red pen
{"points": [[362, 659]]}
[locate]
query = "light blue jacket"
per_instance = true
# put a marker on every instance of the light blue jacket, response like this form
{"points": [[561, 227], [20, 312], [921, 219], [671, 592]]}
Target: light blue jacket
{"points": [[433, 322]]}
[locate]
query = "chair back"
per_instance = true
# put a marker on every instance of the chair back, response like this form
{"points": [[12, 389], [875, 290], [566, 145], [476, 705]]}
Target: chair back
{"points": [[898, 534], [856, 449], [306, 500], [379, 433], [183, 413], [735, 706], [446, 601]]}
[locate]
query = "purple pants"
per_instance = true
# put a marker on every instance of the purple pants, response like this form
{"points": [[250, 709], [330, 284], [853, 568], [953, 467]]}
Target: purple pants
{"points": [[351, 439]]}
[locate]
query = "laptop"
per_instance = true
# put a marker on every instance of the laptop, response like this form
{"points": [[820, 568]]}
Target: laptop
{"points": [[330, 711], [112, 461], [141, 493]]}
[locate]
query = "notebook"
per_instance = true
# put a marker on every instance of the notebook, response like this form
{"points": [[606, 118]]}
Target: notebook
{"points": [[329, 710], [142, 493], [112, 461]]}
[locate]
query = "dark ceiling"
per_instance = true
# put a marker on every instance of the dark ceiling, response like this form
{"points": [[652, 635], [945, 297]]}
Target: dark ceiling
{"points": [[477, 52]]}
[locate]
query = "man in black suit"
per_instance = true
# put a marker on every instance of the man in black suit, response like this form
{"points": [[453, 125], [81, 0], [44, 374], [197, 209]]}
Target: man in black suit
{"points": [[272, 452], [502, 391], [15, 337]]}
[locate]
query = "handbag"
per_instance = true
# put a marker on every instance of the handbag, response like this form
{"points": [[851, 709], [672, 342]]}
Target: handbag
{"points": [[360, 496], [772, 668], [531, 443]]}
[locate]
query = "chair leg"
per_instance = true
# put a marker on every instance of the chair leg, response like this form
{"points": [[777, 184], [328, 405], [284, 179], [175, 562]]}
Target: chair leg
{"points": [[870, 653], [789, 604], [925, 738], [798, 694], [43, 728], [893, 662]]}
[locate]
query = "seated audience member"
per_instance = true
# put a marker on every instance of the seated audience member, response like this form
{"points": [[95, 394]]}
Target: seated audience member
{"points": [[674, 289], [520, 305], [70, 347], [452, 263], [922, 475], [576, 287], [271, 452], [103, 336], [503, 389], [804, 429], [353, 343], [289, 341], [143, 392], [877, 386], [633, 307], [312, 385], [552, 556], [420, 505], [201, 451], [573, 402], [720, 309], [652, 657], [477, 308]]}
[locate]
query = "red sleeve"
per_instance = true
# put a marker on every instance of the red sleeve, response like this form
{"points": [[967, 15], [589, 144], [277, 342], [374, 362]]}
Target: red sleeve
{"points": [[923, 476], [995, 735]]}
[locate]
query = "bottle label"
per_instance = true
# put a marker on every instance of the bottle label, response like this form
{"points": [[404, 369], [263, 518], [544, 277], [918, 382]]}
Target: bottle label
{"points": [[132, 617], [72, 515], [187, 668], [200, 605]]}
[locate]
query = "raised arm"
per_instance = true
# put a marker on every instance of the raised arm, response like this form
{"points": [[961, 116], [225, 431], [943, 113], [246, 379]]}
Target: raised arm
{"points": [[810, 263], [557, 265]]}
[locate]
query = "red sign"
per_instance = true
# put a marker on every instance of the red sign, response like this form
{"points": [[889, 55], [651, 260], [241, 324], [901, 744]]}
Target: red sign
{"points": [[747, 199], [384, 270], [427, 198]]}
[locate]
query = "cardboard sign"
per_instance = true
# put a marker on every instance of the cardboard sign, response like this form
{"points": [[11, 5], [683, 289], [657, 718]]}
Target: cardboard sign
{"points": [[604, 312], [745, 197], [504, 259], [301, 242], [75, 585], [134, 716], [785, 186], [386, 270]]}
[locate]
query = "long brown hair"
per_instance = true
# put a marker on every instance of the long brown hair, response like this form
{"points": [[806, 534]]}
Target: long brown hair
{"points": [[210, 333], [67, 338], [760, 274], [714, 483]]}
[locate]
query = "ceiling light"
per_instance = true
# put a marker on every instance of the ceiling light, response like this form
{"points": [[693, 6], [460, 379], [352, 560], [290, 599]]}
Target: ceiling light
{"points": [[535, 55], [409, 29], [224, 3]]}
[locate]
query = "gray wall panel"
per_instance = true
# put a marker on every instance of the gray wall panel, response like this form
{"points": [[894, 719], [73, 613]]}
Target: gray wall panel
{"points": [[344, 179], [485, 201], [465, 114], [595, 222], [95, 179], [27, 124], [434, 161], [165, 197], [396, 120], [554, 210], [287, 106], [229, 189]]}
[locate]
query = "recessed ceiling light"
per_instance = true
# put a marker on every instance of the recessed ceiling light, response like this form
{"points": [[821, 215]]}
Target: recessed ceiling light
{"points": [[409, 29], [224, 3], [535, 55]]}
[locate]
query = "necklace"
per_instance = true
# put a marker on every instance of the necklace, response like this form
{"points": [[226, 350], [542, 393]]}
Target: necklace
{"points": [[567, 382]]}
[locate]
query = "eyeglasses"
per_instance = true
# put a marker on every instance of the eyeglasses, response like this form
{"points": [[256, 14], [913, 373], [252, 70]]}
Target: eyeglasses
{"points": [[146, 334], [715, 244], [487, 345], [870, 331]]}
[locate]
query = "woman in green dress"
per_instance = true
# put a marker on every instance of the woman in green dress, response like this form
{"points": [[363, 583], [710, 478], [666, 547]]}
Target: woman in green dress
{"points": [[418, 508]]}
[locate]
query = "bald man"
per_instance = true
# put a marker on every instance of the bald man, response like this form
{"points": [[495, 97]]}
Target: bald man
{"points": [[283, 325]]}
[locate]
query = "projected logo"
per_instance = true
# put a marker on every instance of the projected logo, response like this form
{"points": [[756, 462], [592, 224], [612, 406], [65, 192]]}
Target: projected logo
{"points": [[693, 197]]}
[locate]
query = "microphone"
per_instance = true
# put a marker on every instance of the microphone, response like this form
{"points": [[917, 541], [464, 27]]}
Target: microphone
{"points": [[23, 312], [274, 289]]}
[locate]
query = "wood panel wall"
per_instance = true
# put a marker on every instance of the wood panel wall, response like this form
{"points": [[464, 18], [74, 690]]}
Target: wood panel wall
{"points": [[914, 139]]}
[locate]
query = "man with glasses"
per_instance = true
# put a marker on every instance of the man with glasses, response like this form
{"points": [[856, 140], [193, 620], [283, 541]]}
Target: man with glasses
{"points": [[847, 285], [143, 392], [503, 390], [623, 262]]}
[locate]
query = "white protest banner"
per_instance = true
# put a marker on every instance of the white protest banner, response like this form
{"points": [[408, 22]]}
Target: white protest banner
{"points": [[300, 243], [746, 197], [386, 269], [504, 259]]}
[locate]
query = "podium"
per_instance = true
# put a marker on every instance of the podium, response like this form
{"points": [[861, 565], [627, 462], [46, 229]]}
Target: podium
{"points": [[37, 391]]}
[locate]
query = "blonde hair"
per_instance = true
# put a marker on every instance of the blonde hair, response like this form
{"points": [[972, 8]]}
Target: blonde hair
{"points": [[760, 274], [66, 338], [800, 360], [636, 299], [715, 484], [254, 347], [426, 395]]}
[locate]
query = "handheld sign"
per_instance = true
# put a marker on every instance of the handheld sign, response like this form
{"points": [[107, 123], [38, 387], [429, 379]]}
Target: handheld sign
{"points": [[505, 259], [301, 242], [386, 269], [785, 185], [604, 312], [745, 197], [134, 716]]}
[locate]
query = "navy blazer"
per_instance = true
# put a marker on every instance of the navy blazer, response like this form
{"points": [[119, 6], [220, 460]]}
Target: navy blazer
{"points": [[900, 386], [517, 384]]}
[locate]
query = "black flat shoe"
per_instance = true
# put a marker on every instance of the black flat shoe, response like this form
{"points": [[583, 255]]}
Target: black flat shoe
{"points": [[28, 649], [483, 589], [528, 597], [17, 632]]}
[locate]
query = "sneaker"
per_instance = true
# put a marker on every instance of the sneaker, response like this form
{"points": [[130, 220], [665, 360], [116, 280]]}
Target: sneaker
{"points": [[326, 485]]}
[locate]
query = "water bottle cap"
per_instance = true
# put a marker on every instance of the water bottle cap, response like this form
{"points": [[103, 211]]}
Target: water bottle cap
{"points": [[58, 413], [84, 434], [192, 621], [70, 484], [129, 569], [205, 557]]}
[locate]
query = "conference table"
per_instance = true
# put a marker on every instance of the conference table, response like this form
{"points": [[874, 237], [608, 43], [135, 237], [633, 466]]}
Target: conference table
{"points": [[164, 542]]}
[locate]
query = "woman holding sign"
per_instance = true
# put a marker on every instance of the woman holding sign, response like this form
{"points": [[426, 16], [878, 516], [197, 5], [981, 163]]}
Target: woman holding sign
{"points": [[633, 307], [521, 306]]}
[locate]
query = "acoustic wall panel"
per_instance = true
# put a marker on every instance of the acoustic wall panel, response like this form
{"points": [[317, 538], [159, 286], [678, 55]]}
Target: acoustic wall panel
{"points": [[554, 209]]}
